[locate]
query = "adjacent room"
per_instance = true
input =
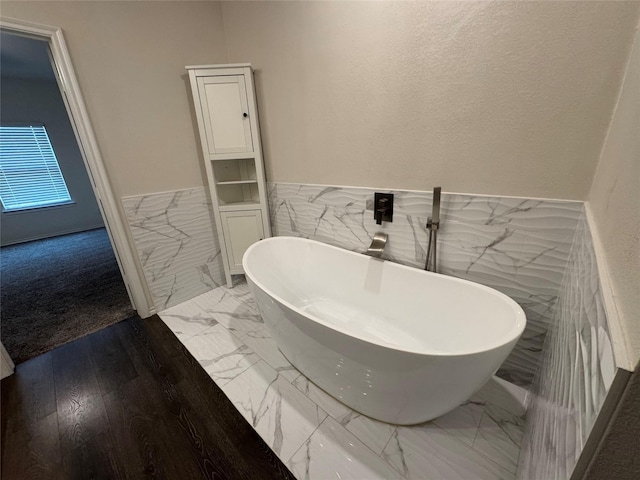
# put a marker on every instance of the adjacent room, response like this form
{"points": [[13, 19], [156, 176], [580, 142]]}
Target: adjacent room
{"points": [[60, 279]]}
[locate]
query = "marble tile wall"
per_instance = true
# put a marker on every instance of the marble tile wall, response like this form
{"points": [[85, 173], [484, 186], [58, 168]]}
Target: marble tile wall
{"points": [[318, 437], [176, 241], [576, 373], [519, 246]]}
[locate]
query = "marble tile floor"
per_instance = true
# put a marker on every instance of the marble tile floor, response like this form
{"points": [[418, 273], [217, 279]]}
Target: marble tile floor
{"points": [[318, 437]]}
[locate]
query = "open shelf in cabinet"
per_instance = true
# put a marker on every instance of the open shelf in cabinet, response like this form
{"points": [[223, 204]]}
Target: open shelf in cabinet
{"points": [[237, 193], [238, 170]]}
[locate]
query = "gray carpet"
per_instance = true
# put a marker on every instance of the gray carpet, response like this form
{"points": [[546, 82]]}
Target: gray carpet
{"points": [[55, 290]]}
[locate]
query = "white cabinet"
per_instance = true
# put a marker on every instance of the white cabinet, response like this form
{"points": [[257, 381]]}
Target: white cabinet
{"points": [[241, 229], [225, 112], [225, 107]]}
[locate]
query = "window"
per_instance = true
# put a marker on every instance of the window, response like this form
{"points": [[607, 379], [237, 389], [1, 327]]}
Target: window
{"points": [[30, 176]]}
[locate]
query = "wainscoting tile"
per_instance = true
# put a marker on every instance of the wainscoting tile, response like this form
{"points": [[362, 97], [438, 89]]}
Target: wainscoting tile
{"points": [[517, 245], [576, 373], [280, 413], [177, 244], [333, 452]]}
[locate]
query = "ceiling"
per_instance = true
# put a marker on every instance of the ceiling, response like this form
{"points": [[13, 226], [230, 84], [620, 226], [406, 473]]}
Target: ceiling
{"points": [[22, 57]]}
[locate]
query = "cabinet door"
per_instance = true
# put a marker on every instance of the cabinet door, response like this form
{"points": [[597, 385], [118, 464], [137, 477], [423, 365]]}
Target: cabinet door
{"points": [[241, 230], [225, 111]]}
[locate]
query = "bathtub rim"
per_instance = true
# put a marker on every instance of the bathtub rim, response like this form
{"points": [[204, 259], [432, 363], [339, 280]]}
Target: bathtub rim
{"points": [[520, 315]]}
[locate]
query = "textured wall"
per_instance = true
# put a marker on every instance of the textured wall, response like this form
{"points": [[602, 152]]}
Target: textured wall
{"points": [[615, 202], [501, 98], [129, 58]]}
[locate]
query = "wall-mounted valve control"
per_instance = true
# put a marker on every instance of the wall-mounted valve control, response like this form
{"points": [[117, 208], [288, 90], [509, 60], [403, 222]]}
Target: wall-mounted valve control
{"points": [[383, 207]]}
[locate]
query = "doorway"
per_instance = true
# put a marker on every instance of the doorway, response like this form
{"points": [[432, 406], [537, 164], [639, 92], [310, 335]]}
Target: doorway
{"points": [[113, 233], [59, 277]]}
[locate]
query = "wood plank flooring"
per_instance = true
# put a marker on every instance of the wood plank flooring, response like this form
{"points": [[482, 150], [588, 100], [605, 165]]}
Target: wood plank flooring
{"points": [[128, 401]]}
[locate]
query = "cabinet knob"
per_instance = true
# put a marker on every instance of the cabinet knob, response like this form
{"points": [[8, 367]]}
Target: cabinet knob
{"points": [[245, 115]]}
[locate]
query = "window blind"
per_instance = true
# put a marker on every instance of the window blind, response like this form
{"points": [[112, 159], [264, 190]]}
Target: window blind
{"points": [[30, 176]]}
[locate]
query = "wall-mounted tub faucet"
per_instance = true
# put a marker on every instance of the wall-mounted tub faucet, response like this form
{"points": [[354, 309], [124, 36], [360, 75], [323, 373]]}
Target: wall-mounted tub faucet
{"points": [[433, 223], [377, 245]]}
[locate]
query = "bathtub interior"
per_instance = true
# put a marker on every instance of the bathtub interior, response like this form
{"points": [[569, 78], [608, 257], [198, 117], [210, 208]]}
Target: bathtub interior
{"points": [[383, 302]]}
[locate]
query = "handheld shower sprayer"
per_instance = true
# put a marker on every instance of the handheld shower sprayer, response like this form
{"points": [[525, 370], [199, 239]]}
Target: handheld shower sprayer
{"points": [[433, 223]]}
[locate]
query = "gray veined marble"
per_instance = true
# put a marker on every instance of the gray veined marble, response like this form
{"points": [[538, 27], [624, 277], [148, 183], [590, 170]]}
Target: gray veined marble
{"points": [[539, 252], [577, 369], [519, 246], [318, 437], [177, 244], [282, 415], [429, 451], [234, 309], [372, 433], [222, 355]]}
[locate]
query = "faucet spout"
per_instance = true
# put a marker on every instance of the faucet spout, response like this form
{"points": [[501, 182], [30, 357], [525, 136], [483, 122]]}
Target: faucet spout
{"points": [[377, 245]]}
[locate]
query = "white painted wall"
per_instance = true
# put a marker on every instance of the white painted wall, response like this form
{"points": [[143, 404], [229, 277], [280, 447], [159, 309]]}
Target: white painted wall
{"points": [[129, 58], [23, 101], [614, 202], [505, 98], [486, 97]]}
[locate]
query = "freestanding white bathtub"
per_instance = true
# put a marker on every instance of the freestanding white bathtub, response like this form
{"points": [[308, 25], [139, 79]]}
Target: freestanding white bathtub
{"points": [[395, 343]]}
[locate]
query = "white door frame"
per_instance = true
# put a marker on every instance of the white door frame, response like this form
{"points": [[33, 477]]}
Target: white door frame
{"points": [[90, 153]]}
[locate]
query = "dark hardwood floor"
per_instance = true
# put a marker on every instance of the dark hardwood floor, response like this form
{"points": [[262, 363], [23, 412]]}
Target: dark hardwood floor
{"points": [[128, 401]]}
